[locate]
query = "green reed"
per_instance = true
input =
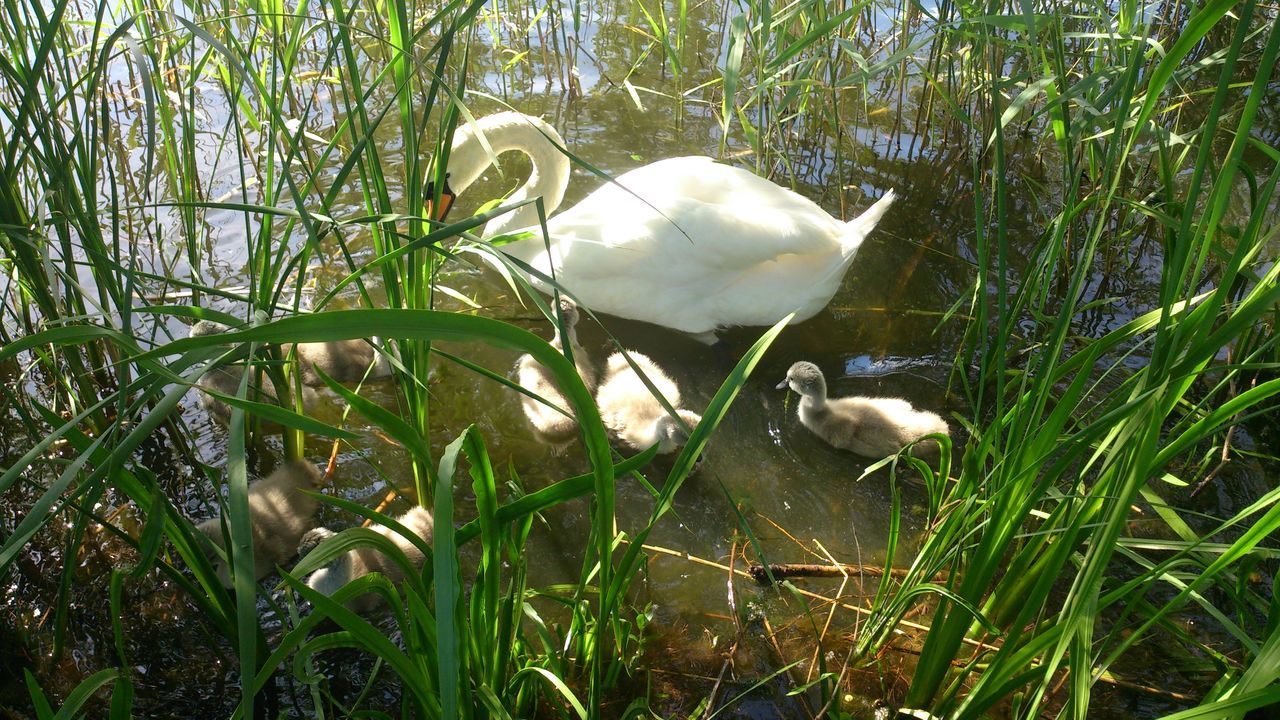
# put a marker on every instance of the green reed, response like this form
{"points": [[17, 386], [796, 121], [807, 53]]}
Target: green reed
{"points": [[1068, 439]]}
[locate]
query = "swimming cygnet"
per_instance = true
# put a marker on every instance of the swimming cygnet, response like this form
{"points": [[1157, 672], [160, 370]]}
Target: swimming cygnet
{"points": [[226, 380], [365, 559], [870, 426], [549, 424], [343, 360], [279, 514], [631, 412]]}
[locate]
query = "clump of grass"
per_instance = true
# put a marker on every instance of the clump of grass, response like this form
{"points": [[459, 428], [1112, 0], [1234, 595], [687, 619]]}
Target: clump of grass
{"points": [[1067, 441], [466, 652]]}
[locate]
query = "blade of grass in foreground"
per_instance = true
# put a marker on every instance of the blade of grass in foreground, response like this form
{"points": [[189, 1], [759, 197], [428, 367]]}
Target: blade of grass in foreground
{"points": [[447, 582], [1054, 446]]}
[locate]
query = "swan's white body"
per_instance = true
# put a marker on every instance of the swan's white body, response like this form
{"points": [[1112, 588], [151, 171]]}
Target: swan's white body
{"points": [[278, 516], [363, 560], [630, 411], [550, 425], [686, 242], [870, 426]]}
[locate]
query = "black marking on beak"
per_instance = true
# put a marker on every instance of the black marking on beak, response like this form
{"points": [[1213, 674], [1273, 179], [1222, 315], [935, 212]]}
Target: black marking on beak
{"points": [[447, 196]]}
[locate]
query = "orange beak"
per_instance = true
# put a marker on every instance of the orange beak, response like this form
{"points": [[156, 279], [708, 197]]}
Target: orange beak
{"points": [[447, 196]]}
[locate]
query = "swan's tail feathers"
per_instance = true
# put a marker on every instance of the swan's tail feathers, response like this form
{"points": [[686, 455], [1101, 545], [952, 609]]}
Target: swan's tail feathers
{"points": [[856, 230]]}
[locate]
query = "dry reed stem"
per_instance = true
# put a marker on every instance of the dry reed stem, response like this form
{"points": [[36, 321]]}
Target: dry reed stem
{"points": [[801, 591], [782, 660], [831, 613], [737, 636]]}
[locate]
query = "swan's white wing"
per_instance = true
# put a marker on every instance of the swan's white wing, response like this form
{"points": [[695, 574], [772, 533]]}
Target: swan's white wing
{"points": [[716, 215], [705, 180], [648, 271], [708, 245], [711, 238]]}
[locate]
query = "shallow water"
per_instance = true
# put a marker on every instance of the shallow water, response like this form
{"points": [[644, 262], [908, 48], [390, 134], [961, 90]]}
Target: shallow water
{"points": [[878, 336]]}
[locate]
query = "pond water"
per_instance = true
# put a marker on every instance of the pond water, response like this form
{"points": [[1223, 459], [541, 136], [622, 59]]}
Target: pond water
{"points": [[882, 333], [878, 336]]}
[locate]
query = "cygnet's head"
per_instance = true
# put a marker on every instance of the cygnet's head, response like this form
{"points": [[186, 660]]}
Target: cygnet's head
{"points": [[805, 378], [671, 435], [568, 311], [207, 327]]}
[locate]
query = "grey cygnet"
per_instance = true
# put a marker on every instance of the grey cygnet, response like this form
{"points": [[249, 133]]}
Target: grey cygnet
{"points": [[363, 560], [549, 424], [630, 411], [871, 426], [342, 360], [279, 514]]}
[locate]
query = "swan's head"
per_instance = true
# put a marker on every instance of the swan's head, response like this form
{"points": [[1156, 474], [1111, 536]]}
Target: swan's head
{"points": [[670, 434], [806, 379], [207, 327]]}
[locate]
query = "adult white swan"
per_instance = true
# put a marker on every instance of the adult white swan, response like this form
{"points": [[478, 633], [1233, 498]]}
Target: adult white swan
{"points": [[687, 242]]}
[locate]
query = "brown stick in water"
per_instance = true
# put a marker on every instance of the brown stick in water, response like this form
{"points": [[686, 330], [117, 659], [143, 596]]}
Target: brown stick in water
{"points": [[782, 571]]}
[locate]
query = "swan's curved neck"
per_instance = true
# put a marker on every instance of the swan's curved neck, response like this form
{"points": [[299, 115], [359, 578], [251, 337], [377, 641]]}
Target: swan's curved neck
{"points": [[505, 132]]}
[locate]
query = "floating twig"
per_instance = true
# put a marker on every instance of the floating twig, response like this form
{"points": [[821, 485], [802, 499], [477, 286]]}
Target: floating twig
{"points": [[782, 571], [805, 593]]}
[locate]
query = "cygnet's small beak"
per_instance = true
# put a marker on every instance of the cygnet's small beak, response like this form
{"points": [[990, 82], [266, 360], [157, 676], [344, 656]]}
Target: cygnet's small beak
{"points": [[782, 385]]}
